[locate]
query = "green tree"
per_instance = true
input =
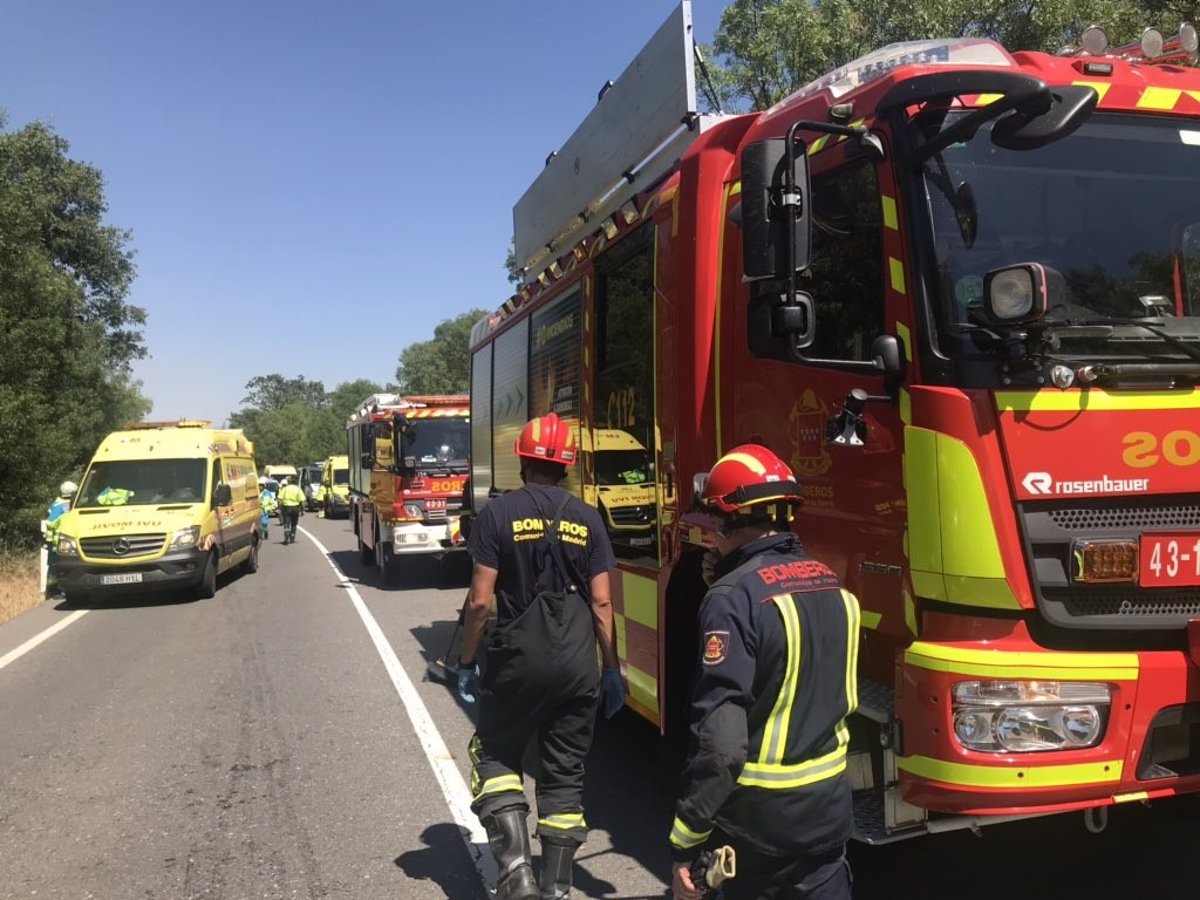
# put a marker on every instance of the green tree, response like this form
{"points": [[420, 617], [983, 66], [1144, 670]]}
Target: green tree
{"points": [[766, 49], [294, 420], [512, 270], [67, 335], [275, 392], [441, 365]]}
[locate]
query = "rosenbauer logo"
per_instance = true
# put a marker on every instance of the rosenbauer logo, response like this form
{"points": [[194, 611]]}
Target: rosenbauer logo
{"points": [[1044, 484]]}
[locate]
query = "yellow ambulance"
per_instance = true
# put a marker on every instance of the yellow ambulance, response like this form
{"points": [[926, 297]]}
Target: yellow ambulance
{"points": [[336, 484], [162, 506]]}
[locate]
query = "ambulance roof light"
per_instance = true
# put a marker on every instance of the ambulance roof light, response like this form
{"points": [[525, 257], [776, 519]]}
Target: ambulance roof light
{"points": [[948, 52]]}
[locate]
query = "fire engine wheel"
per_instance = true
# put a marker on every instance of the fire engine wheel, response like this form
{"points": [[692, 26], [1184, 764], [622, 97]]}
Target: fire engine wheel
{"points": [[250, 566], [386, 562], [207, 588]]}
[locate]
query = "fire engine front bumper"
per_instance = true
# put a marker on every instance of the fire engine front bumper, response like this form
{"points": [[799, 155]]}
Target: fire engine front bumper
{"points": [[409, 538], [177, 570], [1149, 746]]}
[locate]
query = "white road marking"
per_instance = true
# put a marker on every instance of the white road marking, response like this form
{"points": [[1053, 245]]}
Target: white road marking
{"points": [[14, 655], [445, 770]]}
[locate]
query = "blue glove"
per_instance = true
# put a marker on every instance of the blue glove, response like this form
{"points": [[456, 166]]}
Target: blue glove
{"points": [[468, 682], [612, 692]]}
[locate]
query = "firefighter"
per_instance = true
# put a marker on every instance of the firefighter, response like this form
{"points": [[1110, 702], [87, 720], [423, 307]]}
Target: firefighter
{"points": [[777, 678], [60, 505], [267, 504], [291, 502], [545, 556]]}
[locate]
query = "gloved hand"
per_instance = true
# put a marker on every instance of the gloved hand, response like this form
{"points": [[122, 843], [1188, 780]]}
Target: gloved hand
{"points": [[468, 681], [612, 692]]}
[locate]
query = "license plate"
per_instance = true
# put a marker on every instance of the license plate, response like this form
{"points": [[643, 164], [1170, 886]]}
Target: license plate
{"points": [[1170, 559], [435, 505], [126, 578]]}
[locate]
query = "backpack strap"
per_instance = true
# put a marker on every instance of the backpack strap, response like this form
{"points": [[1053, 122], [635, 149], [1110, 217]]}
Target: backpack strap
{"points": [[552, 547]]}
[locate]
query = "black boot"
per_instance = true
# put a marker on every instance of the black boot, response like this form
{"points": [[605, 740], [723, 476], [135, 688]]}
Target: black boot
{"points": [[508, 838], [558, 862]]}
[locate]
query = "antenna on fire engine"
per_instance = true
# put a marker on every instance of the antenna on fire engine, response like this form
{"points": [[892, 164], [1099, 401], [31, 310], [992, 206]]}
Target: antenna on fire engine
{"points": [[710, 91]]}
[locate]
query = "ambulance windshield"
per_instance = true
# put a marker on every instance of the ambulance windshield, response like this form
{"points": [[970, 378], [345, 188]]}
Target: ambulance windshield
{"points": [[140, 482], [1113, 207]]}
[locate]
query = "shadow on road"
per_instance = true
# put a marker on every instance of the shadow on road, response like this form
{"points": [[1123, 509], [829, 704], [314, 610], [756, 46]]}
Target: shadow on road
{"points": [[1143, 849], [444, 861], [423, 572], [142, 598]]}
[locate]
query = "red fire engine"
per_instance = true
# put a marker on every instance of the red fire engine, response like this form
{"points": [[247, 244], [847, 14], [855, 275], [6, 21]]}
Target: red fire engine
{"points": [[958, 289], [408, 470]]}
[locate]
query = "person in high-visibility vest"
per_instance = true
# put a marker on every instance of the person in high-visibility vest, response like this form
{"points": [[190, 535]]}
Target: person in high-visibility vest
{"points": [[60, 505], [267, 505], [291, 501], [112, 496], [777, 679]]}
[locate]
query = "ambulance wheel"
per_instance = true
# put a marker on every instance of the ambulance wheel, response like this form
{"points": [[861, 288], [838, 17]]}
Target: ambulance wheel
{"points": [[250, 566], [207, 588]]}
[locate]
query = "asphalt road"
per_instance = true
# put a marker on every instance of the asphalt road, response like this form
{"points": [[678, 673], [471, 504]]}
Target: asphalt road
{"points": [[257, 745]]}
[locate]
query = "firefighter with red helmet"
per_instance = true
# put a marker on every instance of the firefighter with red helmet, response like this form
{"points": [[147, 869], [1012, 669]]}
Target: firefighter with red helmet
{"points": [[777, 679], [545, 556]]}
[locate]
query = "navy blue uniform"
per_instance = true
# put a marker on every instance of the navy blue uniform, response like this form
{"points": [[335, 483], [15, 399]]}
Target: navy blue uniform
{"points": [[766, 769], [541, 673]]}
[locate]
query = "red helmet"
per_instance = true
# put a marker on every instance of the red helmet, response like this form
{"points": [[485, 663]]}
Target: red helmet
{"points": [[548, 438], [747, 476]]}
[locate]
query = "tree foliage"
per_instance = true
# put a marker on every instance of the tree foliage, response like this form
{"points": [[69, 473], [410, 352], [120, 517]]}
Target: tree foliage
{"points": [[441, 365], [67, 336], [294, 420], [766, 49]]}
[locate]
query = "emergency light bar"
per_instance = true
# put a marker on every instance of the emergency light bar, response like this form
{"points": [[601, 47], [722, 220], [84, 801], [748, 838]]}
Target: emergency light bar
{"points": [[875, 65]]}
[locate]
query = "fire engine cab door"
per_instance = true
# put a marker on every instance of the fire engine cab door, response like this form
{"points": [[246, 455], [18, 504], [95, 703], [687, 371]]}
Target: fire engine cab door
{"points": [[853, 518]]}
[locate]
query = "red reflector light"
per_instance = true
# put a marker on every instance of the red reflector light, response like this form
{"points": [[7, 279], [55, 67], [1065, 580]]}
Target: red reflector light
{"points": [[1097, 562]]}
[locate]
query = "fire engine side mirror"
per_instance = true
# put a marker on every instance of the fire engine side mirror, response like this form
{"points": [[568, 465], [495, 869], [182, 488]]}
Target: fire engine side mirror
{"points": [[768, 216], [888, 356]]}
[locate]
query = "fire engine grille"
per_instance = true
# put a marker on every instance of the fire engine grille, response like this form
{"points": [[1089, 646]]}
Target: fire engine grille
{"points": [[435, 515], [122, 546], [1050, 528], [1137, 604], [1172, 746], [1074, 518], [632, 515]]}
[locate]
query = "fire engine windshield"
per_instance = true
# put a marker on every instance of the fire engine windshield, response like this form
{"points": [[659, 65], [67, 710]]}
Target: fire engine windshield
{"points": [[143, 481], [437, 444], [1113, 207]]}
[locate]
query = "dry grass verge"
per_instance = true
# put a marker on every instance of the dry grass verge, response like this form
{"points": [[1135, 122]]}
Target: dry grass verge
{"points": [[19, 582]]}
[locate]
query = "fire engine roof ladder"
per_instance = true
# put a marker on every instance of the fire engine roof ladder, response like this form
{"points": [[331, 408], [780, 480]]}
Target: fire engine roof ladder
{"points": [[640, 126]]}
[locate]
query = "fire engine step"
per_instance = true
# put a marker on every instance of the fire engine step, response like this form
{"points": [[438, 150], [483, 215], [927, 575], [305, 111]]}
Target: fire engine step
{"points": [[875, 701]]}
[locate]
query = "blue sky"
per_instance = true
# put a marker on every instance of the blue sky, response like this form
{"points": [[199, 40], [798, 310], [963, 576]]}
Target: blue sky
{"points": [[312, 186]]}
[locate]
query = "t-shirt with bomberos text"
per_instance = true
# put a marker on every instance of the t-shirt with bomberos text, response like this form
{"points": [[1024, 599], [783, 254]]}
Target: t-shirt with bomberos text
{"points": [[506, 537]]}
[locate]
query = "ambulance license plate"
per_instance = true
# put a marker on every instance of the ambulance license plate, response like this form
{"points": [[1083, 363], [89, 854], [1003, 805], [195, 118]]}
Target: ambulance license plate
{"points": [[125, 578], [435, 504], [1170, 559]]}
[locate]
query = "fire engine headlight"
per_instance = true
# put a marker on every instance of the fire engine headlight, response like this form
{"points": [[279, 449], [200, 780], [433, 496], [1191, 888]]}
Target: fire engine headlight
{"points": [[1030, 716], [185, 537], [66, 546], [414, 511]]}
